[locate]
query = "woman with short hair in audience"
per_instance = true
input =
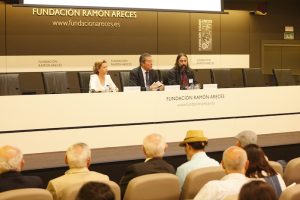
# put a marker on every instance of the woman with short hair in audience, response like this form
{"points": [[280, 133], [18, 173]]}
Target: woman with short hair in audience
{"points": [[95, 191], [100, 81], [257, 190], [259, 168]]}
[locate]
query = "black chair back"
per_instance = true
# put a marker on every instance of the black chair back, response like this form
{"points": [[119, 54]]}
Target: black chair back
{"points": [[84, 81], [10, 84], [56, 82]]}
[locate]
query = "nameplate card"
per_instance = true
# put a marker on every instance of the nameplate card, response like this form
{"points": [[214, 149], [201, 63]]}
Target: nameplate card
{"points": [[132, 89], [172, 87], [210, 86]]}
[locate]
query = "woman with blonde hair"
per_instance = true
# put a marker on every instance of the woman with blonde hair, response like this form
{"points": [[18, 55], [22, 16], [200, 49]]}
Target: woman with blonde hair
{"points": [[100, 81]]}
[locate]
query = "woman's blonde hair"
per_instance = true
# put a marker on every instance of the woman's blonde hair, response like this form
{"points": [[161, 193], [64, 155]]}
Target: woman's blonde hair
{"points": [[98, 65]]}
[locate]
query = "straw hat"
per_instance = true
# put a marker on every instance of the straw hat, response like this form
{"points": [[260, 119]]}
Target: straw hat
{"points": [[194, 136]]}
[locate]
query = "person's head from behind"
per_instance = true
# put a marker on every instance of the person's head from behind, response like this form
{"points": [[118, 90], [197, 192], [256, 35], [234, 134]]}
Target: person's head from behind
{"points": [[146, 61], [246, 137], [100, 67], [95, 191], [235, 160], [182, 61], [154, 146], [258, 165], [258, 190], [194, 142], [11, 159], [78, 156]]}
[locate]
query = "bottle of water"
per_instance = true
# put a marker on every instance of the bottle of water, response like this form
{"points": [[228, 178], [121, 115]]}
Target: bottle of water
{"points": [[106, 88], [191, 84]]}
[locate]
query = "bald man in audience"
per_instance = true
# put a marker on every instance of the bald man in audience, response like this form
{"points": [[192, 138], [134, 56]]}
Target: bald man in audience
{"points": [[154, 147], [11, 164], [235, 164], [78, 158]]}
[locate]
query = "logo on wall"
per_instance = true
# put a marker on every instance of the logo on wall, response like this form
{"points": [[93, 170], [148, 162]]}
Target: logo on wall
{"points": [[205, 35]]}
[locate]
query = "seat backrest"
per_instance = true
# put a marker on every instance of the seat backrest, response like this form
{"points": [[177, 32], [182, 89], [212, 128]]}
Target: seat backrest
{"points": [[56, 82], [269, 80], [237, 78], [115, 76], [291, 172], [70, 193], [253, 77], [26, 194], [10, 84], [291, 193], [203, 76], [163, 76], [124, 77], [196, 179], [84, 81], [277, 167], [222, 77], [284, 77], [159, 186]]}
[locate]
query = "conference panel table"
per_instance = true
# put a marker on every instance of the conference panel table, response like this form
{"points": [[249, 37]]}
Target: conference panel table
{"points": [[114, 124]]}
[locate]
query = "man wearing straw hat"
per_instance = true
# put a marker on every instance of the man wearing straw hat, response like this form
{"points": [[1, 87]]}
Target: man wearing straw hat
{"points": [[194, 144]]}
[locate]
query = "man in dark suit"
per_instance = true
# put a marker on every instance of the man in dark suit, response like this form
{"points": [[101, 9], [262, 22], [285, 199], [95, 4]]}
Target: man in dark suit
{"points": [[144, 75], [11, 164], [154, 147], [181, 74]]}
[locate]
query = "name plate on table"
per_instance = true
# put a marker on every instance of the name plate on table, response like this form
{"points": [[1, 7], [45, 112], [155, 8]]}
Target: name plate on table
{"points": [[210, 86], [172, 87], [132, 89]]}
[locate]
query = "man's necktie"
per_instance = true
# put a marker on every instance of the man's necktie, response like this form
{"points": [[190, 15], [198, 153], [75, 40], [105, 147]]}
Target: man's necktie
{"points": [[147, 79], [184, 79]]}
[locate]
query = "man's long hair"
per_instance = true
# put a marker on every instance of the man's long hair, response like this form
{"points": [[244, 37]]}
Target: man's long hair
{"points": [[177, 61]]}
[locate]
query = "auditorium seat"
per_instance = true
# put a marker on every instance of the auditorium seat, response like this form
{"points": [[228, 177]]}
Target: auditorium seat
{"points": [[159, 186], [163, 76], [196, 179], [10, 84], [26, 194], [203, 76], [84, 81], [291, 172], [277, 167], [115, 76], [124, 77], [222, 77], [71, 192], [284, 77], [253, 77], [237, 78], [291, 193], [56, 82], [270, 80]]}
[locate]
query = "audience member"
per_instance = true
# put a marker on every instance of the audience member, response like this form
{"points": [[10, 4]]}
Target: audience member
{"points": [[144, 75], [154, 147], [181, 74], [78, 158], [246, 137], [95, 191], [257, 190], [194, 144], [235, 164], [100, 81], [11, 164], [259, 168]]}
